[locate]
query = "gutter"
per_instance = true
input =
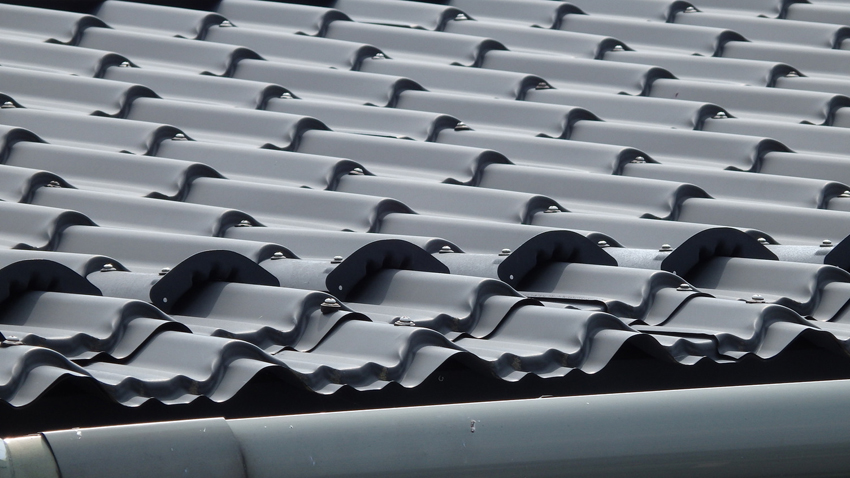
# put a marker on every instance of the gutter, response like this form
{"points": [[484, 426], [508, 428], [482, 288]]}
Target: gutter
{"points": [[789, 429]]}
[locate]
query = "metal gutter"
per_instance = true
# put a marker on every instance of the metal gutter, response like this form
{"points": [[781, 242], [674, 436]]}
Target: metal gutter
{"points": [[791, 429]]}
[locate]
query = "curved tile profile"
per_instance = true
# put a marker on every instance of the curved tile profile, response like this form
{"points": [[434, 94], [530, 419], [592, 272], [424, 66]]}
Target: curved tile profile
{"points": [[19, 275], [181, 22], [280, 16], [47, 25], [27, 372], [710, 243]]}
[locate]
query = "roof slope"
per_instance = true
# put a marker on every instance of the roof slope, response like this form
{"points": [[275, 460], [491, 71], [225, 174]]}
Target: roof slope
{"points": [[368, 194]]}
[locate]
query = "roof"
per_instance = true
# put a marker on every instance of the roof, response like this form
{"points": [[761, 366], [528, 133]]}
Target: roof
{"points": [[251, 207]]}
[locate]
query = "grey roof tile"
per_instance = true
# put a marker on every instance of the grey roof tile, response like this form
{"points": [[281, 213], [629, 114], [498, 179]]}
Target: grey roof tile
{"points": [[289, 17], [811, 61], [157, 19], [58, 58], [44, 25], [798, 137], [535, 12], [403, 14]]}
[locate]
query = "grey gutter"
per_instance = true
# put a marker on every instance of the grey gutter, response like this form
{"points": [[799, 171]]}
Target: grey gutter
{"points": [[791, 429]]}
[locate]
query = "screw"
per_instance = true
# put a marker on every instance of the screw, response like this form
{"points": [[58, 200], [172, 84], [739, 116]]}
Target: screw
{"points": [[54, 184], [7, 105], [793, 73], [356, 172], [826, 243], [330, 303], [180, 137], [763, 241], [603, 244], [690, 9], [379, 56], [165, 270], [446, 250], [124, 64], [552, 209], [461, 16], [404, 321], [225, 24], [461, 126], [542, 86], [244, 223], [665, 248], [757, 298], [286, 96], [720, 115], [845, 194], [108, 268], [639, 160], [618, 48], [337, 259], [684, 286], [278, 256], [505, 252]]}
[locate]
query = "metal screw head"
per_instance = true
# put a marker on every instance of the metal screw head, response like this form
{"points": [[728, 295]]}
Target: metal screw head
{"points": [[793, 73], [164, 270], [124, 64], [505, 252], [54, 184], [639, 160], [826, 243], [461, 16], [603, 244], [180, 137], [330, 303], [446, 250], [244, 223], [278, 256], [108, 268], [684, 286], [337, 259], [225, 24], [690, 9], [552, 209], [461, 126], [356, 172], [763, 241], [379, 56], [665, 248], [756, 298], [8, 104], [720, 115], [286, 96], [618, 48], [404, 321], [543, 86], [845, 194]]}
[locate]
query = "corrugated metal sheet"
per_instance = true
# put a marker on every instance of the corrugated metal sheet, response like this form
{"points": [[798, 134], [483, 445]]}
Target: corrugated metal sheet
{"points": [[371, 193]]}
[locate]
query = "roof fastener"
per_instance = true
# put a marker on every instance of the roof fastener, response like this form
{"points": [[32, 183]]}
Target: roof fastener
{"points": [[54, 184], [379, 56], [665, 248], [845, 194], [337, 259], [552, 209], [793, 73], [618, 48], [756, 298], [330, 303], [180, 137], [763, 241], [461, 126], [286, 95], [505, 252], [356, 172], [639, 160], [543, 86], [404, 321], [8, 104], [278, 256], [720, 115], [225, 24], [244, 223], [125, 64], [164, 270], [684, 287], [690, 9], [461, 16], [446, 250], [826, 243], [108, 267], [603, 244]]}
